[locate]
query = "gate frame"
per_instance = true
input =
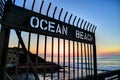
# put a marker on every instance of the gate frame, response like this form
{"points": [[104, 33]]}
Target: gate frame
{"points": [[4, 41]]}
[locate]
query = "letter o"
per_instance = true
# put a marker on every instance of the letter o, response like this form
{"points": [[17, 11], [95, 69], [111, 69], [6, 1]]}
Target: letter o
{"points": [[37, 22]]}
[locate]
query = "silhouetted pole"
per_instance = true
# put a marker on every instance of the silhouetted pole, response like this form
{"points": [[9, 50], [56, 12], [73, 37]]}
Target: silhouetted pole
{"points": [[4, 50], [95, 59], [5, 32]]}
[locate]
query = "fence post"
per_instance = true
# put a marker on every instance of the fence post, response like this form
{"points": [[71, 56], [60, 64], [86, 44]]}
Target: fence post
{"points": [[5, 32], [4, 50], [95, 59]]}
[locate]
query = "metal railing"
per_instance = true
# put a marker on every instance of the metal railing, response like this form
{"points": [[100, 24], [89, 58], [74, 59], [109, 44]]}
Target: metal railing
{"points": [[78, 54]]}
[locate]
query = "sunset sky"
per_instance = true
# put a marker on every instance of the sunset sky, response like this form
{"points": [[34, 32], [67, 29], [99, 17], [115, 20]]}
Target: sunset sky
{"points": [[105, 14]]}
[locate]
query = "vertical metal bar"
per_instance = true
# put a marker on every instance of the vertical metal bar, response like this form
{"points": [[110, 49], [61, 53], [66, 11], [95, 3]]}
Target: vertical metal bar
{"points": [[95, 58], [70, 18], [45, 36], [65, 16], [87, 26], [73, 60], [94, 29], [41, 6], [90, 27], [48, 9], [33, 5], [36, 61], [29, 38], [58, 55], [91, 58], [77, 60], [54, 12], [74, 20], [24, 3], [81, 23], [78, 22], [4, 41], [81, 61], [37, 51], [27, 71], [64, 58], [84, 25], [52, 57], [53, 45], [88, 60], [69, 59], [45, 56], [85, 58], [60, 14]]}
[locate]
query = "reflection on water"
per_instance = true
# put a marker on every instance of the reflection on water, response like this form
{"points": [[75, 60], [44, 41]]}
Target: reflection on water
{"points": [[108, 62], [104, 63]]}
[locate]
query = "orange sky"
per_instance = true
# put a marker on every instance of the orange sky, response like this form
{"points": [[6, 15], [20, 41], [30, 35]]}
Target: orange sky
{"points": [[102, 49]]}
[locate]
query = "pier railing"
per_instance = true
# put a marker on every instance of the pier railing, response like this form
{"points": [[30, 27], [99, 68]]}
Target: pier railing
{"points": [[109, 75]]}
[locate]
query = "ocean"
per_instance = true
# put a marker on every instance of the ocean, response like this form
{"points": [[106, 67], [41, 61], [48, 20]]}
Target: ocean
{"points": [[108, 63], [104, 63]]}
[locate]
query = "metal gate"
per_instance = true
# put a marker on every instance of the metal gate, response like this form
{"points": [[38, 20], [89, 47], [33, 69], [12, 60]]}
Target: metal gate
{"points": [[45, 47]]}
